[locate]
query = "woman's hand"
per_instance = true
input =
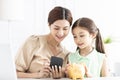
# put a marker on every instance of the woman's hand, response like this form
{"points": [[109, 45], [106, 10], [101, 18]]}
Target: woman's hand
{"points": [[45, 70], [56, 74]]}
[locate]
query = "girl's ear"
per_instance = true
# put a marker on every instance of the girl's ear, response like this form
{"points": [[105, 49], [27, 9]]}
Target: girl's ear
{"points": [[93, 35]]}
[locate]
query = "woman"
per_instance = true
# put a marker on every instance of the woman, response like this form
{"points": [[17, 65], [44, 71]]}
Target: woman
{"points": [[33, 58]]}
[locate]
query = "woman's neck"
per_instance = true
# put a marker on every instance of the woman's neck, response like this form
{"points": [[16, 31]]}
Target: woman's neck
{"points": [[86, 51], [51, 41], [53, 45]]}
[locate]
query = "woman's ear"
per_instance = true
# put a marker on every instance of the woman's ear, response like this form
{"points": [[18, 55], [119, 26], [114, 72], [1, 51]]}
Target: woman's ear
{"points": [[48, 24]]}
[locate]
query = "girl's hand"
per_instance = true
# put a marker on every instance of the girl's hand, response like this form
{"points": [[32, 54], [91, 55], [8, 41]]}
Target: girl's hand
{"points": [[75, 71], [66, 70], [55, 73]]}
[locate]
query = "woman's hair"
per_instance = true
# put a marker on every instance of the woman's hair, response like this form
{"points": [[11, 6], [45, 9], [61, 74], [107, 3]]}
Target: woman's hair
{"points": [[59, 13], [90, 26]]}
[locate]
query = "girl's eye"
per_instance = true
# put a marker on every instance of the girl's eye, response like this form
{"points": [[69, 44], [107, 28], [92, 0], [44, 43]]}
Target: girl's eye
{"points": [[82, 35]]}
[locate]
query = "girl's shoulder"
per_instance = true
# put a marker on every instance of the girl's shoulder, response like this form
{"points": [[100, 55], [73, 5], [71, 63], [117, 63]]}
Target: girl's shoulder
{"points": [[100, 56], [73, 54]]}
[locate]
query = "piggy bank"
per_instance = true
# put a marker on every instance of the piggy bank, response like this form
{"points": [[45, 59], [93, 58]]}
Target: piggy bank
{"points": [[76, 71]]}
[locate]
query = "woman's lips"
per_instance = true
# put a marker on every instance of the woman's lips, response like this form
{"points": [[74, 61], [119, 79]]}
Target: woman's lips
{"points": [[60, 37]]}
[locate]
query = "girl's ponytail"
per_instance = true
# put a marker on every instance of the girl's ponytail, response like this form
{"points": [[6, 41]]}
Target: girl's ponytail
{"points": [[99, 43]]}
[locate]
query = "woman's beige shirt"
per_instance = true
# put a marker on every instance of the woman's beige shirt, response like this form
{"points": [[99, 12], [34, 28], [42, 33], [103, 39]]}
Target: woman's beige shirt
{"points": [[31, 56]]}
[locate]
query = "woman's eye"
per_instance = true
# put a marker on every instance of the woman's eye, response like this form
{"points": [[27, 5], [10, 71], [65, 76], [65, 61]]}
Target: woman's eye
{"points": [[56, 28], [65, 29], [74, 37]]}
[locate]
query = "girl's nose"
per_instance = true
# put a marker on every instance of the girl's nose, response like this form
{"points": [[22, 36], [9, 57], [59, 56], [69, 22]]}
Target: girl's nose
{"points": [[78, 40]]}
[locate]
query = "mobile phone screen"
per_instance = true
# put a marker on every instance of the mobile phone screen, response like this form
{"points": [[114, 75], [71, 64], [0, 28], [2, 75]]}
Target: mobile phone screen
{"points": [[56, 61]]}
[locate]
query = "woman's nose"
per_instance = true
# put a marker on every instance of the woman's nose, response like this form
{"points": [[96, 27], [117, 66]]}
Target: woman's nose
{"points": [[60, 33]]}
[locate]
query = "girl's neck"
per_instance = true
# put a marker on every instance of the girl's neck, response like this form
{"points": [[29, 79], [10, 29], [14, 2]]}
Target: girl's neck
{"points": [[86, 51]]}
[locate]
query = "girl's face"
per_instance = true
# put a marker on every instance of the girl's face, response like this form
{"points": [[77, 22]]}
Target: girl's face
{"points": [[82, 37], [60, 29]]}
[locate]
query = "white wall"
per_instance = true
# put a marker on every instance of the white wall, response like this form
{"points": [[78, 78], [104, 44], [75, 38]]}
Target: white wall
{"points": [[104, 12], [21, 29], [4, 31]]}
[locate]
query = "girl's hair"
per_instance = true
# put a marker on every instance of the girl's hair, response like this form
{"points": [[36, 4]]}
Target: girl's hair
{"points": [[92, 28], [59, 13]]}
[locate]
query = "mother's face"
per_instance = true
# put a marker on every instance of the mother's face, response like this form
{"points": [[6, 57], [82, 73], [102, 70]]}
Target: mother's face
{"points": [[60, 29]]}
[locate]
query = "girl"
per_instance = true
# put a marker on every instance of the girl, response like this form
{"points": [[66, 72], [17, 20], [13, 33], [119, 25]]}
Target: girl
{"points": [[85, 32]]}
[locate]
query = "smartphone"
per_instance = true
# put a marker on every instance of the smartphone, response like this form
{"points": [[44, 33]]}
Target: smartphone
{"points": [[56, 61]]}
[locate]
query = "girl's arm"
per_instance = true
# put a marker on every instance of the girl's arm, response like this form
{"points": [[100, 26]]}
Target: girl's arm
{"points": [[105, 69]]}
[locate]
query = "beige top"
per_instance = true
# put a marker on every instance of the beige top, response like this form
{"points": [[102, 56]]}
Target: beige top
{"points": [[31, 55]]}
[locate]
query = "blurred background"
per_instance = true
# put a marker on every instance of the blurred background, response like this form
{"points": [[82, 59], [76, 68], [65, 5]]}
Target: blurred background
{"points": [[30, 18]]}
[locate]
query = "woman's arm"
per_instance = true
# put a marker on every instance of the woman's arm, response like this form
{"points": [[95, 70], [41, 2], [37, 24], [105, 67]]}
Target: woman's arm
{"points": [[45, 72], [28, 75]]}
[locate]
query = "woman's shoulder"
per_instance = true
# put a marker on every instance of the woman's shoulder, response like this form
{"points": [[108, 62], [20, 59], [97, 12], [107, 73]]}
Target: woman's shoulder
{"points": [[34, 38]]}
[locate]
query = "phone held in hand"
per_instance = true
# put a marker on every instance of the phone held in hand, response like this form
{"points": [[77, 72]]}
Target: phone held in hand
{"points": [[56, 61]]}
